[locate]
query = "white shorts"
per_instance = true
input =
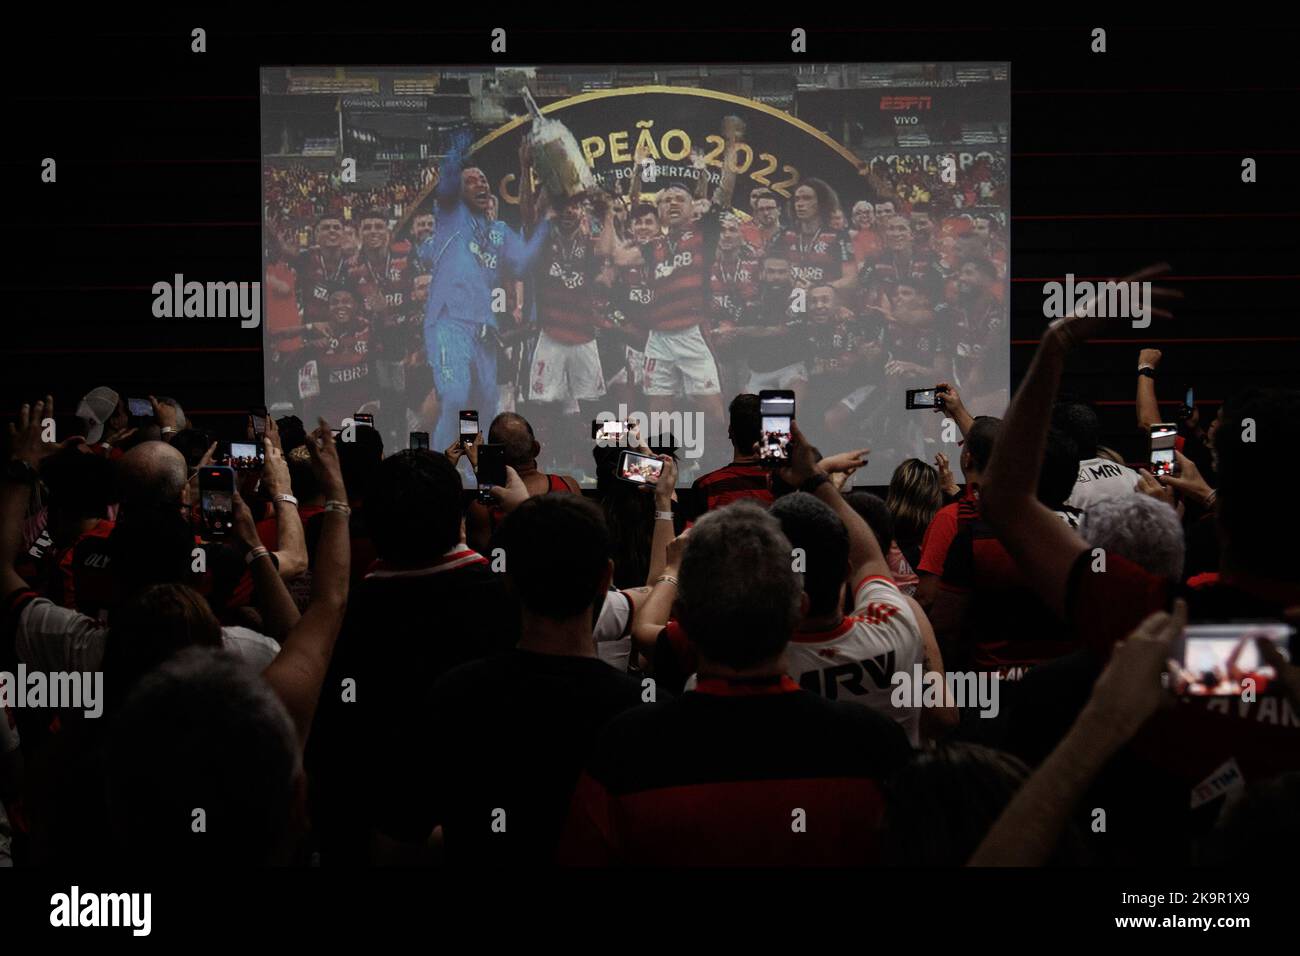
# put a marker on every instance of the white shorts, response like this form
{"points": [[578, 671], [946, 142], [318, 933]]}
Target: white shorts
{"points": [[680, 362], [781, 378], [561, 372]]}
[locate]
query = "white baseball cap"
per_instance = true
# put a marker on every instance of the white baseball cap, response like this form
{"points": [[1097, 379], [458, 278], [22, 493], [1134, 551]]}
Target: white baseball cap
{"points": [[96, 408]]}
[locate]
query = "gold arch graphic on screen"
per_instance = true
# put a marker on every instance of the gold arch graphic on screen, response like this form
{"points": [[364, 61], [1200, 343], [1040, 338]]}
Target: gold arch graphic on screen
{"points": [[678, 91]]}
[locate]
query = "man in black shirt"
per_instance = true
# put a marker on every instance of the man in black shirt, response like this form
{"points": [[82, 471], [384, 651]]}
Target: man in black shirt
{"points": [[428, 604], [748, 768], [771, 334], [509, 735]]}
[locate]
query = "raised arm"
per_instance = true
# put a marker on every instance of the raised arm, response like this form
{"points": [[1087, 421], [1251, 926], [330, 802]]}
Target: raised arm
{"points": [[607, 241], [727, 185], [954, 408], [279, 613], [448, 189], [664, 530], [290, 539], [651, 615], [638, 161], [702, 183], [1125, 695], [1148, 408], [27, 449], [865, 556], [298, 671], [1044, 547]]}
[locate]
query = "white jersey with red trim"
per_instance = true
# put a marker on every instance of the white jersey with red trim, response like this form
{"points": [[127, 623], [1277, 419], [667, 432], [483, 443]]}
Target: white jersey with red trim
{"points": [[857, 660]]}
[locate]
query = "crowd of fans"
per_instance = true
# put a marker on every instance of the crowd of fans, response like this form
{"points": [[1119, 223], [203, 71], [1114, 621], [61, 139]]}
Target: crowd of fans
{"points": [[675, 293], [379, 666], [296, 196]]}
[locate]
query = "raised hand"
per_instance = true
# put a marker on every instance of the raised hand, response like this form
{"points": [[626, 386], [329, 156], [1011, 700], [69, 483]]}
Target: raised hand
{"points": [[26, 439], [803, 465], [1188, 482], [1082, 324], [325, 462], [1129, 690]]}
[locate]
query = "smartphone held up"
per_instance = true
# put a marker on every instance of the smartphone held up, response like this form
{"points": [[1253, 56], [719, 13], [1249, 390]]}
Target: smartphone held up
{"points": [[217, 500], [1223, 660], [639, 469], [491, 471], [776, 413], [1163, 438]]}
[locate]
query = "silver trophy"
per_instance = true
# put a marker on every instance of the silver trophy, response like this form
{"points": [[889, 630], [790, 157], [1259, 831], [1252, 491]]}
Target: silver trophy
{"points": [[556, 156]]}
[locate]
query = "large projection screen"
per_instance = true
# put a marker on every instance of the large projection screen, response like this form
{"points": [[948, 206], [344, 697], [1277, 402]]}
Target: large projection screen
{"points": [[862, 251]]}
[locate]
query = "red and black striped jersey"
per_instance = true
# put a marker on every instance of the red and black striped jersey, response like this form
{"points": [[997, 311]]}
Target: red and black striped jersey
{"points": [[567, 298], [816, 261], [730, 483], [726, 774], [679, 272]]}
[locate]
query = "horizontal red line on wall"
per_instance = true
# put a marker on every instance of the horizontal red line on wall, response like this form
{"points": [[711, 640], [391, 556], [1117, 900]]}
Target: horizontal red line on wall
{"points": [[110, 351], [1086, 91], [1158, 215], [1281, 277], [1190, 340], [1048, 154]]}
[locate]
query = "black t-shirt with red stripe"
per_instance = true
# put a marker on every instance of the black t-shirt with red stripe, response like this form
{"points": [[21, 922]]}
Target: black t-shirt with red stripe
{"points": [[1006, 627], [729, 483], [736, 773]]}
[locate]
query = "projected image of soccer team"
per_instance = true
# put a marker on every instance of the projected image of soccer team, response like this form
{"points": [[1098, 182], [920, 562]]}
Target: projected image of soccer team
{"points": [[561, 245]]}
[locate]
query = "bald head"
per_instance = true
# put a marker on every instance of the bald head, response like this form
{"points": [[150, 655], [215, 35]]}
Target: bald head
{"points": [[152, 473], [516, 434]]}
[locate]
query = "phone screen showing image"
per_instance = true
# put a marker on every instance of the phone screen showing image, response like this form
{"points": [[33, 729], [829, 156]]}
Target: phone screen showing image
{"points": [[1216, 660], [608, 433], [639, 469], [776, 411], [217, 500], [1163, 436], [468, 426], [246, 456], [139, 407], [922, 398]]}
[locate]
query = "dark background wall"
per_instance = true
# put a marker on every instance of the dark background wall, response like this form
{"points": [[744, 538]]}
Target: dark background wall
{"points": [[1118, 160]]}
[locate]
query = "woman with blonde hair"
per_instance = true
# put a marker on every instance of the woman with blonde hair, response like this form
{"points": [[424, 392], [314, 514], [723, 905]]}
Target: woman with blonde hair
{"points": [[913, 499]]}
